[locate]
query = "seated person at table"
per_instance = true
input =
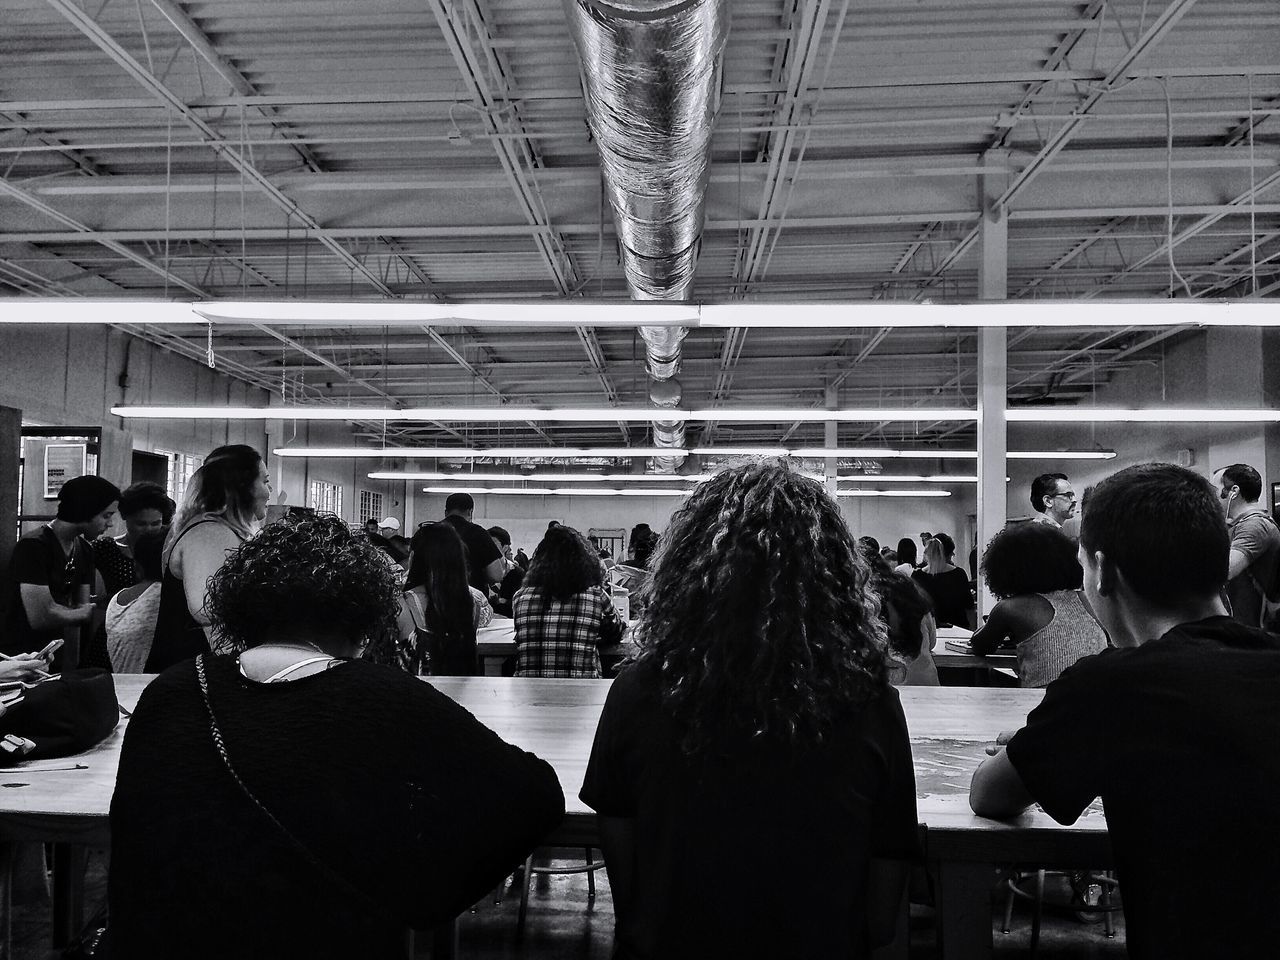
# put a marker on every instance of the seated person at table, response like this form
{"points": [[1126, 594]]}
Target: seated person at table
{"points": [[294, 801], [131, 612], [1175, 729], [1031, 568], [751, 770], [907, 617], [440, 612], [945, 583], [563, 612]]}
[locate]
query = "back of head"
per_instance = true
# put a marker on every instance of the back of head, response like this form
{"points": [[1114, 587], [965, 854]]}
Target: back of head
{"points": [[565, 563], [145, 495], [1162, 527], [223, 484], [1043, 486], [1028, 558], [303, 576], [439, 567], [907, 551], [501, 535], [945, 544], [459, 503], [1246, 478], [758, 612], [82, 498], [148, 551]]}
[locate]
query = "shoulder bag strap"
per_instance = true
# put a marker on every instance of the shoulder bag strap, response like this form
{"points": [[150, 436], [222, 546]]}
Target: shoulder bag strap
{"points": [[328, 872]]}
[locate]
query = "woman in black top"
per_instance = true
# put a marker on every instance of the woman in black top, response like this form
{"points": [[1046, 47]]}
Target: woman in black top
{"points": [[362, 800], [755, 736], [945, 583]]}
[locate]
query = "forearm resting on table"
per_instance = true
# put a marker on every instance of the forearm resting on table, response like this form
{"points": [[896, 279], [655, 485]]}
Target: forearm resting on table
{"points": [[997, 791]]}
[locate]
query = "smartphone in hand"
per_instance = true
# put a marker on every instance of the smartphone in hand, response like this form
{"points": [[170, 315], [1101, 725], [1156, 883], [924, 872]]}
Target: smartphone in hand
{"points": [[52, 647]]}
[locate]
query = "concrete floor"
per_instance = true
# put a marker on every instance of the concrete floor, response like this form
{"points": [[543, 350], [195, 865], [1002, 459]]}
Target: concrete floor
{"points": [[563, 924]]}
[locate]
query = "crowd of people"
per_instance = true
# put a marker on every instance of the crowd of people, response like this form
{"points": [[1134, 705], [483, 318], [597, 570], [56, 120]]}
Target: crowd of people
{"points": [[337, 799]]}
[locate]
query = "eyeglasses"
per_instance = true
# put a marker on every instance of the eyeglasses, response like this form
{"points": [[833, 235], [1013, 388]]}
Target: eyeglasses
{"points": [[1070, 497]]}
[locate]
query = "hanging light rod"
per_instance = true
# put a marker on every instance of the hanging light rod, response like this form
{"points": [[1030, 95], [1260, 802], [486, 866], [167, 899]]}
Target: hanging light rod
{"points": [[1148, 415], [517, 414], [570, 453], [638, 477], [567, 314], [646, 492]]}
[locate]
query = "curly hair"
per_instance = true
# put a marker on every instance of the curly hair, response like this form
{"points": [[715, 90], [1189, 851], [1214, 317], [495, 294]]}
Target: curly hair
{"points": [[303, 573], [759, 613], [1030, 558], [565, 563]]}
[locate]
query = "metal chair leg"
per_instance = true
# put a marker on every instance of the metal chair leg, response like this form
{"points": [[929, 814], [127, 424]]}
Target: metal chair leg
{"points": [[591, 877], [524, 894], [1008, 904]]}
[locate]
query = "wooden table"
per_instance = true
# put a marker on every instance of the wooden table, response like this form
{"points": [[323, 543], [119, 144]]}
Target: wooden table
{"points": [[556, 719], [973, 669]]}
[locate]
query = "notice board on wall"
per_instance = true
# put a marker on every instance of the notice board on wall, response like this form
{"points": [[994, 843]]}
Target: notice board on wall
{"points": [[62, 462]]}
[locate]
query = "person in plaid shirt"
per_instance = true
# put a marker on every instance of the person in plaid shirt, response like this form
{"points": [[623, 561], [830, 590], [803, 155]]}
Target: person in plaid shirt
{"points": [[563, 612]]}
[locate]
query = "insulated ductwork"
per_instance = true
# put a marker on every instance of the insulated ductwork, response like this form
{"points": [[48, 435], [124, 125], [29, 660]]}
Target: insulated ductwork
{"points": [[651, 76]]}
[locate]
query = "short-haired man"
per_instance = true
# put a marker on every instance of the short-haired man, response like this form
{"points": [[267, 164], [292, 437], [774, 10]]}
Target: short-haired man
{"points": [[1255, 543], [1175, 728], [51, 572], [1053, 498], [512, 579], [484, 559]]}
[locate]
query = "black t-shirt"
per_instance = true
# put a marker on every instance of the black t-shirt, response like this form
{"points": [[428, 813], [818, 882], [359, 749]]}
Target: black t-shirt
{"points": [[385, 780], [761, 855], [949, 593], [1178, 737], [38, 558], [480, 549]]}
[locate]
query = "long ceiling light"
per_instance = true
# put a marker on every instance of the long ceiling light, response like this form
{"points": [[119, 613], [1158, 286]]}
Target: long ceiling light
{"points": [[520, 414], [1120, 313], [646, 492], [641, 477], [570, 453], [1147, 415]]}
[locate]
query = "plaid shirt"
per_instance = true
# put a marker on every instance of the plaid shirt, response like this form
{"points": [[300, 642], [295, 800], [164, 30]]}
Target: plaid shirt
{"points": [[560, 638]]}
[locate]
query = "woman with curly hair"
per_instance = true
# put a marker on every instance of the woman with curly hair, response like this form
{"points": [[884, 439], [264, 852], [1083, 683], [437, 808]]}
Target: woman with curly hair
{"points": [[563, 612], [1032, 570], [225, 501], [295, 801], [756, 727], [440, 611]]}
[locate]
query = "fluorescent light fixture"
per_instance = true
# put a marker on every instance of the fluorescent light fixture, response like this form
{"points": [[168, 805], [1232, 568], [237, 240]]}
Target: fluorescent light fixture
{"points": [[142, 313], [893, 493], [541, 477], [575, 313], [518, 414], [558, 491], [471, 453], [1147, 415], [936, 478], [1062, 454]]}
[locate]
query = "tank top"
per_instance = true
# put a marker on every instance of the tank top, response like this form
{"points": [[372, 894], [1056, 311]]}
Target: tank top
{"points": [[1072, 633], [178, 636]]}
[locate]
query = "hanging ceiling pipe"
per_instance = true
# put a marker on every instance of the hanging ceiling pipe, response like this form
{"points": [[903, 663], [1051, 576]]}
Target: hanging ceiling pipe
{"points": [[651, 75]]}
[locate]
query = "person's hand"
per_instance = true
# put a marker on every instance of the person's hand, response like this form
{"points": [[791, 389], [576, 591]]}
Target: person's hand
{"points": [[25, 666], [1002, 740]]}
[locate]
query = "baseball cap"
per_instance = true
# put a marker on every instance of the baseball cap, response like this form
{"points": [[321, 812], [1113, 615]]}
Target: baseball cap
{"points": [[389, 523]]}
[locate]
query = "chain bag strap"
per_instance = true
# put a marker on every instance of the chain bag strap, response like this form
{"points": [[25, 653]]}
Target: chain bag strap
{"points": [[328, 872]]}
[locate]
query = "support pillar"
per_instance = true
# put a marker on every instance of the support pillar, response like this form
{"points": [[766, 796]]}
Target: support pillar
{"points": [[993, 374], [830, 467]]}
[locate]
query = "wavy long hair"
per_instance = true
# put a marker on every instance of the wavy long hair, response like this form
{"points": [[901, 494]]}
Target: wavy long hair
{"points": [[223, 485], [565, 563], [438, 565], [759, 616]]}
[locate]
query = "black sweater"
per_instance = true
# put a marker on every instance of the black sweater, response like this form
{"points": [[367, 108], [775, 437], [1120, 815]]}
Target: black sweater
{"points": [[385, 780]]}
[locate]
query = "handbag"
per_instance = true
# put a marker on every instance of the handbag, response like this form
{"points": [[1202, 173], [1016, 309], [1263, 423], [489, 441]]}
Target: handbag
{"points": [[58, 716], [350, 889]]}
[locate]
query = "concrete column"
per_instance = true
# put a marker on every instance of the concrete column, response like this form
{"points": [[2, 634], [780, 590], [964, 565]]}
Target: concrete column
{"points": [[830, 466], [10, 450], [993, 376]]}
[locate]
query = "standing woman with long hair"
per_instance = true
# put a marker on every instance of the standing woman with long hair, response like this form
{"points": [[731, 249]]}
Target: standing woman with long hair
{"points": [[440, 611], [225, 501], [755, 738], [563, 612]]}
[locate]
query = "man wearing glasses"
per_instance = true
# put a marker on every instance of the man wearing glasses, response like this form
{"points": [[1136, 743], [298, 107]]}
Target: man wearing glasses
{"points": [[1053, 498]]}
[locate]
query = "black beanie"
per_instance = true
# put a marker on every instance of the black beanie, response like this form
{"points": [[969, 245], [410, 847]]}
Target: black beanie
{"points": [[83, 498]]}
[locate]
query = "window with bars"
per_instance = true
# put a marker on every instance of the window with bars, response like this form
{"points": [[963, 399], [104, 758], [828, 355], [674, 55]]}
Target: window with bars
{"points": [[324, 497], [370, 505], [181, 466]]}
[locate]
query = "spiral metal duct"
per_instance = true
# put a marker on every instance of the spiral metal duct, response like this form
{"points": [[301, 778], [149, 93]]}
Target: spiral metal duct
{"points": [[651, 75]]}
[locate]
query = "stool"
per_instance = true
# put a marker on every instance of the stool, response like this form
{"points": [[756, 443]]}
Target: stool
{"points": [[1104, 906], [589, 867]]}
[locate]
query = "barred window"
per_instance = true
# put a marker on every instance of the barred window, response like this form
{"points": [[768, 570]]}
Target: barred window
{"points": [[370, 506], [324, 497]]}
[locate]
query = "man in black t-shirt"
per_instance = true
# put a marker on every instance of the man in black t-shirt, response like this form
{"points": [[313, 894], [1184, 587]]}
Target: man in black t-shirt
{"points": [[484, 560], [1175, 730], [51, 570]]}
